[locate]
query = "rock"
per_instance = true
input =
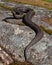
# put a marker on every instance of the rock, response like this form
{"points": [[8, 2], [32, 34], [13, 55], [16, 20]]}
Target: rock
{"points": [[5, 58], [15, 37]]}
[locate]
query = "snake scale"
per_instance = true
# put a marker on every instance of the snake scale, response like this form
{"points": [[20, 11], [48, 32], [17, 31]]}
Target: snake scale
{"points": [[26, 15]]}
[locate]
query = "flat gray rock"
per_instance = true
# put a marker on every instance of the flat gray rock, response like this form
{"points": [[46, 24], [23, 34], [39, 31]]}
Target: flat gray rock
{"points": [[15, 38]]}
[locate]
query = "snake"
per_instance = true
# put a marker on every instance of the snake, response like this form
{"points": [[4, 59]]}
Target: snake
{"points": [[26, 14]]}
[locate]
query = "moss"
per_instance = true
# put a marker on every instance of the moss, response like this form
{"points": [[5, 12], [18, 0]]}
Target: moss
{"points": [[5, 7], [47, 30]]}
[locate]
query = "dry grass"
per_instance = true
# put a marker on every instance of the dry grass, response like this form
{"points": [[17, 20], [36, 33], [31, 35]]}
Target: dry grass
{"points": [[48, 20], [41, 3], [21, 63], [5, 7], [49, 31]]}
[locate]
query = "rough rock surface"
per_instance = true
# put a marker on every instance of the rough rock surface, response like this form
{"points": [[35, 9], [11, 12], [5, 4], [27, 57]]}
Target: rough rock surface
{"points": [[15, 37]]}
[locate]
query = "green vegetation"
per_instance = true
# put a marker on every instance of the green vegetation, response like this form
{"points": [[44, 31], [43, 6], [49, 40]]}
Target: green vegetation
{"points": [[47, 30], [48, 0], [5, 7]]}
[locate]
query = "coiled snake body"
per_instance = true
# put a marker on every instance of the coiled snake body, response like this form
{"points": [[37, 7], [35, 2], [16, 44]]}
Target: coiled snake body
{"points": [[26, 14]]}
